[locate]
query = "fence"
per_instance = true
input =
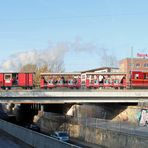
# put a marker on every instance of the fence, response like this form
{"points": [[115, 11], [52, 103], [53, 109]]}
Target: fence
{"points": [[118, 126]]}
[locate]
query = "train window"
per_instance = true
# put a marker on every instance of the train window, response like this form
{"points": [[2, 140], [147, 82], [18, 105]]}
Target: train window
{"points": [[50, 81], [146, 65], [137, 65], [61, 81], [83, 76], [136, 76], [96, 81], [145, 76], [69, 82], [87, 76], [8, 76], [116, 81]]}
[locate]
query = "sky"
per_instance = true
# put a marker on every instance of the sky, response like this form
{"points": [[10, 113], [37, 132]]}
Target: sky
{"points": [[89, 30]]}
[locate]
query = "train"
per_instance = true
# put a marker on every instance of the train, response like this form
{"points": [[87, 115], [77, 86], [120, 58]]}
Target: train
{"points": [[10, 80], [88, 80]]}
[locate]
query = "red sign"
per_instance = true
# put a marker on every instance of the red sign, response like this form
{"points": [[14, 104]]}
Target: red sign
{"points": [[143, 55]]}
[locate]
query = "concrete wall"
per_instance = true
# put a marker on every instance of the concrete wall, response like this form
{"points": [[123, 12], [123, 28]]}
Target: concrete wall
{"points": [[102, 136], [32, 138], [113, 112], [107, 138], [129, 115]]}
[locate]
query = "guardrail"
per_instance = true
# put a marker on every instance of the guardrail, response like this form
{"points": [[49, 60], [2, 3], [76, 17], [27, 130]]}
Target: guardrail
{"points": [[33, 138]]}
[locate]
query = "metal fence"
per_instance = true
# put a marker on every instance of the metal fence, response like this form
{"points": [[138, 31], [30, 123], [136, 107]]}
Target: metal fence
{"points": [[118, 126]]}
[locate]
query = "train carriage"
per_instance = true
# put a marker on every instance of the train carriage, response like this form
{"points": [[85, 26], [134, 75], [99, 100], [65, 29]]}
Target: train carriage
{"points": [[90, 80], [103, 80], [60, 80], [10, 80]]}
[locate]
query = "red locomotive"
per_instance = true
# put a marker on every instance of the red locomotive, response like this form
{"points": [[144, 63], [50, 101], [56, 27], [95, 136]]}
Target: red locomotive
{"points": [[137, 79]]}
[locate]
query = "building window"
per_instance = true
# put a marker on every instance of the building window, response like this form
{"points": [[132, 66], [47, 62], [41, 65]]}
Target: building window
{"points": [[146, 65], [131, 65], [137, 65]]}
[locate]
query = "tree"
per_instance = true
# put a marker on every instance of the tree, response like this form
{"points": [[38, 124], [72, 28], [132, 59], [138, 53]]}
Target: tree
{"points": [[55, 66], [29, 68]]}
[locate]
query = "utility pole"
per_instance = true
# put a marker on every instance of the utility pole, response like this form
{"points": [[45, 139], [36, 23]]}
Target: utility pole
{"points": [[131, 67]]}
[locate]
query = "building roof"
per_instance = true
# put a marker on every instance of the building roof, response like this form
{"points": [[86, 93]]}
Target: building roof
{"points": [[134, 59], [101, 68]]}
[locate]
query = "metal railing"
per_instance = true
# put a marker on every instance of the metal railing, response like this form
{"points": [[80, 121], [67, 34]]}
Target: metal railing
{"points": [[119, 126]]}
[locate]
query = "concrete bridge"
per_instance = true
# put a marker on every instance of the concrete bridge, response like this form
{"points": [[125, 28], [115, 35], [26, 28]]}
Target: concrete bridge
{"points": [[76, 96]]}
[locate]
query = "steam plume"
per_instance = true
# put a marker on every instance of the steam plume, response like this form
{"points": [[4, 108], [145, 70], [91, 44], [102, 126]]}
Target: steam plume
{"points": [[53, 54]]}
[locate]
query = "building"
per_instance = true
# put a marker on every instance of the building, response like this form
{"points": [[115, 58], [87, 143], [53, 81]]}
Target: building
{"points": [[133, 64]]}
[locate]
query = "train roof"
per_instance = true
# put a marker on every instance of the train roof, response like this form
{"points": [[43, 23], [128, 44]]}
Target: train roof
{"points": [[16, 72], [67, 73], [101, 68], [105, 73]]}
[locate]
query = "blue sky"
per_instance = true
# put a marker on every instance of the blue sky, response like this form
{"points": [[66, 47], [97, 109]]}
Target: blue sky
{"points": [[114, 25]]}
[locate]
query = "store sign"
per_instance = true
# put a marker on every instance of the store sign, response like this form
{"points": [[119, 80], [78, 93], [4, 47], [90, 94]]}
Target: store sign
{"points": [[142, 55]]}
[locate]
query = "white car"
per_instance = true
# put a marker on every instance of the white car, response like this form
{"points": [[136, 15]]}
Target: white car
{"points": [[61, 135]]}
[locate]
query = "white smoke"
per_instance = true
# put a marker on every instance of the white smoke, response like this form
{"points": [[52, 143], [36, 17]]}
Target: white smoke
{"points": [[78, 46], [53, 54]]}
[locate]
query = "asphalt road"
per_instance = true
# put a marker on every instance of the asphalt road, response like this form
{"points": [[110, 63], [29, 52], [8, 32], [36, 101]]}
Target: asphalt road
{"points": [[7, 141], [84, 144]]}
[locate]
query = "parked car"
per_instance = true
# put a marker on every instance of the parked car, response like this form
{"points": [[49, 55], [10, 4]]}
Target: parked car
{"points": [[61, 135], [34, 127]]}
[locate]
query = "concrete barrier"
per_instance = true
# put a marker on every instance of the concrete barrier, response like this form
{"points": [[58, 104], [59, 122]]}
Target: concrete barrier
{"points": [[108, 138], [33, 138]]}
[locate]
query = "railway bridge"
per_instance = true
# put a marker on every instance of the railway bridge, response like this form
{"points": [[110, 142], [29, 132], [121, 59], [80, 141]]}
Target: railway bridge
{"points": [[76, 96]]}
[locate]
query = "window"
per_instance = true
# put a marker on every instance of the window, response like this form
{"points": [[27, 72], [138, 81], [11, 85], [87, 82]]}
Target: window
{"points": [[137, 65], [146, 65], [145, 75], [130, 65], [8, 76], [136, 76]]}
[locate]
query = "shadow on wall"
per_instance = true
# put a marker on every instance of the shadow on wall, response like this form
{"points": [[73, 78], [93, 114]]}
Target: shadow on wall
{"points": [[113, 110], [25, 114], [103, 111]]}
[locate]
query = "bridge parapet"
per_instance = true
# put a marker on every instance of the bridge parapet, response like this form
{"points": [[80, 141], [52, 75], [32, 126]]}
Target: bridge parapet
{"points": [[74, 97]]}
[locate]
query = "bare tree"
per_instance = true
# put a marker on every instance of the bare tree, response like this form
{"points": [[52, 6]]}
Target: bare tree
{"points": [[55, 66], [107, 59], [29, 68]]}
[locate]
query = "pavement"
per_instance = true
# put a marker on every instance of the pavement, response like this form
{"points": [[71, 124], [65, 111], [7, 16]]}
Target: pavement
{"points": [[8, 141]]}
